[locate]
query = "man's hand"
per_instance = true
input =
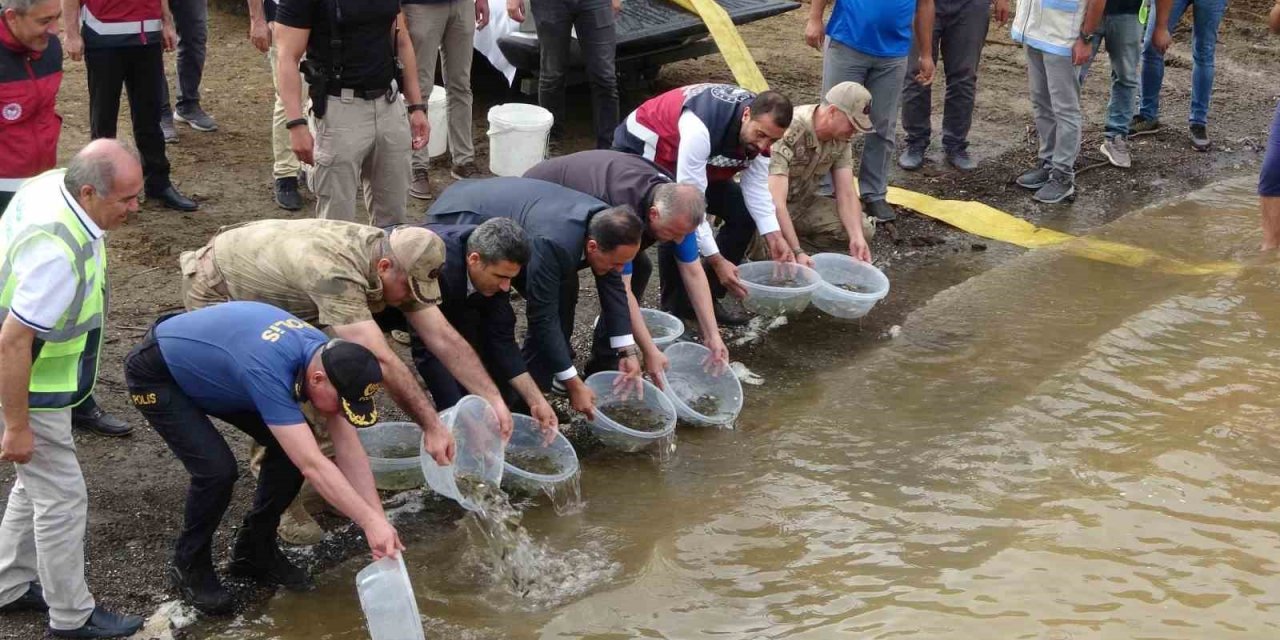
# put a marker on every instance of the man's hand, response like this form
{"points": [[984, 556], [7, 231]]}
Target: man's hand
{"points": [[805, 259], [858, 249], [718, 363], [18, 445], [778, 249], [1080, 52], [169, 36], [727, 274], [515, 10], [420, 129], [582, 398], [617, 7], [73, 44], [303, 144], [655, 364], [260, 35], [439, 444], [924, 76], [1161, 39], [546, 416], [814, 33], [383, 539], [482, 14], [1001, 11], [505, 422]]}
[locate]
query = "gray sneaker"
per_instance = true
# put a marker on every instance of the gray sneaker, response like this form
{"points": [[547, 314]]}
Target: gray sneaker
{"points": [[167, 128], [197, 118], [1116, 149], [1034, 179], [912, 158], [1059, 187], [961, 160], [1199, 137]]}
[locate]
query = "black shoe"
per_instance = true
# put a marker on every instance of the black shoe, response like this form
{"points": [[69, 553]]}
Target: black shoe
{"points": [[31, 600], [287, 194], [1199, 137], [727, 317], [880, 210], [102, 624], [200, 588], [275, 569], [173, 199], [94, 420]]}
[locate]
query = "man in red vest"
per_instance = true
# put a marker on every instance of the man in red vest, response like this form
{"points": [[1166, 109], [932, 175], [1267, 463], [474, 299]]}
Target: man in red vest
{"points": [[30, 75], [120, 41]]}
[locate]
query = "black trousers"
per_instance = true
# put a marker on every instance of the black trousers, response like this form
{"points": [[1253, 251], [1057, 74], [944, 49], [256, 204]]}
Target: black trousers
{"points": [[140, 71], [594, 23], [204, 452], [541, 370], [604, 358], [724, 201]]}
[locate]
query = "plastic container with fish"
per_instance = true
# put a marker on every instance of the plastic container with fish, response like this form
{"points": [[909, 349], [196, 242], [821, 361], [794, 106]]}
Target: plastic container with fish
{"points": [[529, 464], [702, 396], [777, 288], [628, 420], [386, 596], [393, 449], [478, 450], [850, 288]]}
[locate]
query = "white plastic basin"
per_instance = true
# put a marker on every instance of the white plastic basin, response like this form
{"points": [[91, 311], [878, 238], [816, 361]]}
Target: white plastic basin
{"points": [[386, 596], [387, 444], [689, 377], [619, 436], [768, 298], [527, 435], [838, 269], [478, 449]]}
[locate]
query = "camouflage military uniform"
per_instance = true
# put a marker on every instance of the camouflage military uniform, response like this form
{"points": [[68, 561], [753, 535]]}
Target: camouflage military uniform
{"points": [[318, 270], [805, 160]]}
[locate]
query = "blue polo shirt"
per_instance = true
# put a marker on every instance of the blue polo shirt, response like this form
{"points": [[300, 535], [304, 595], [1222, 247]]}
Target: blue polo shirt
{"points": [[239, 357], [880, 28]]}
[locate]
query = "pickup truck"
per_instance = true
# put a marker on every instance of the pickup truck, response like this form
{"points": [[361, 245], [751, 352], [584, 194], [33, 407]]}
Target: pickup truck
{"points": [[651, 33]]}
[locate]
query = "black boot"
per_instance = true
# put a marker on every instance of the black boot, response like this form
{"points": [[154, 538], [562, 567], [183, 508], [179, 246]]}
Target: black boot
{"points": [[31, 600], [287, 197], [260, 558], [200, 588], [90, 417]]}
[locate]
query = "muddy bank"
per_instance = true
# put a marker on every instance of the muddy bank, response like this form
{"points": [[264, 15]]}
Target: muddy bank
{"points": [[136, 486]]}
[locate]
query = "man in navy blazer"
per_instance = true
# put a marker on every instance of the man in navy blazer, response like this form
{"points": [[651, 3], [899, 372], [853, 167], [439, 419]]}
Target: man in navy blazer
{"points": [[566, 231]]}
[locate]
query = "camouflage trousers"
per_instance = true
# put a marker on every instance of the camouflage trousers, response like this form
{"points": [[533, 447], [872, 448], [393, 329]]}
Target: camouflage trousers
{"points": [[818, 228]]}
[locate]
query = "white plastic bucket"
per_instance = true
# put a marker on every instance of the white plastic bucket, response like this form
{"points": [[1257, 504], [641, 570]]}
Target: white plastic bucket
{"points": [[386, 596], [517, 137], [478, 450], [438, 118]]}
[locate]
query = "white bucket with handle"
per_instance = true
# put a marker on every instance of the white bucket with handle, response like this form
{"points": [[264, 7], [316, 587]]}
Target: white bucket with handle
{"points": [[438, 118], [517, 137]]}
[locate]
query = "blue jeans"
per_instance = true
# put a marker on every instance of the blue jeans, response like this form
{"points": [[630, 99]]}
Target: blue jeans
{"points": [[1123, 35], [1204, 37]]}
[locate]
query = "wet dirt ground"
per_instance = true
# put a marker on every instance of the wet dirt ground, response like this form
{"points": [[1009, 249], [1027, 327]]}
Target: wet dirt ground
{"points": [[136, 487]]}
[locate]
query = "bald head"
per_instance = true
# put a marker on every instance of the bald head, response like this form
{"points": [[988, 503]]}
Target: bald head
{"points": [[105, 178]]}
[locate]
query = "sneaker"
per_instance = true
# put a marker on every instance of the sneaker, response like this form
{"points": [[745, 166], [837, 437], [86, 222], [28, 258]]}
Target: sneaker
{"points": [[196, 118], [1116, 149], [166, 127], [102, 624], [273, 569], [880, 210], [1140, 124], [912, 158], [420, 188], [1034, 179], [961, 160], [1060, 187], [465, 171], [558, 388], [201, 589], [287, 196], [31, 600], [1199, 137]]}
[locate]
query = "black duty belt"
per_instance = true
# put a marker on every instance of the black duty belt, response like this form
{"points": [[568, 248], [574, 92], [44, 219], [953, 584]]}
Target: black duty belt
{"points": [[363, 94]]}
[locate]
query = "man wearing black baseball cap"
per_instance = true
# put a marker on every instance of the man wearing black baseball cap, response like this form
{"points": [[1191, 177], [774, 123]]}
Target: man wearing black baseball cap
{"points": [[253, 366]]}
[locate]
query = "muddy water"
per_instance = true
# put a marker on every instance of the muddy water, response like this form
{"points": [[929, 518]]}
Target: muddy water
{"points": [[1056, 449]]}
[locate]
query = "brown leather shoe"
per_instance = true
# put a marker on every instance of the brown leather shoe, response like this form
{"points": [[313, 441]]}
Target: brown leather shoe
{"points": [[420, 188], [465, 171]]}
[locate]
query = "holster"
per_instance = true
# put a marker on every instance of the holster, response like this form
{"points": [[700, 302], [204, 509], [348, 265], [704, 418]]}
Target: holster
{"points": [[317, 86]]}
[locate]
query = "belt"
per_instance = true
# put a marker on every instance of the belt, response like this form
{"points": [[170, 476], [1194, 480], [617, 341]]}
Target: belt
{"points": [[363, 94]]}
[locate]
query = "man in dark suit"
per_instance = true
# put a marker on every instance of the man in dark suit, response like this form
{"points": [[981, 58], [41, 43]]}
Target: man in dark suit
{"points": [[480, 263], [671, 213], [566, 231]]}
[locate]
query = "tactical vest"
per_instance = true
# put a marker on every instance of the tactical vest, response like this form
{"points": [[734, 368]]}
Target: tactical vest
{"points": [[65, 358]]}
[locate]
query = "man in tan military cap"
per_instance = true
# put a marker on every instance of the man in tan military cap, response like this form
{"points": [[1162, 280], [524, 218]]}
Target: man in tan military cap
{"points": [[336, 275], [818, 143]]}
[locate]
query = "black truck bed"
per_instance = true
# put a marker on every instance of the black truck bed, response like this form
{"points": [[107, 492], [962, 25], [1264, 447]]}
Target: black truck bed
{"points": [[654, 29]]}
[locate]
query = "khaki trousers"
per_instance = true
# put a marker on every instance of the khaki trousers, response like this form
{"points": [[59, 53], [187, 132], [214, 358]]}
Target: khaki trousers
{"points": [[450, 29], [365, 143], [285, 164], [42, 535], [818, 228]]}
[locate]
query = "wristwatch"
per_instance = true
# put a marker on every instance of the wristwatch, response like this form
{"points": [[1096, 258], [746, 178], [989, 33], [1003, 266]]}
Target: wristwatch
{"points": [[417, 106], [629, 351], [797, 250], [1087, 38]]}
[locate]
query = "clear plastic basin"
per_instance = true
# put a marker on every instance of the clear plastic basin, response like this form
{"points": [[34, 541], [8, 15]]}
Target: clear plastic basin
{"points": [[663, 327], [478, 449], [526, 436], [617, 435], [702, 396], [767, 295], [840, 272], [386, 596], [393, 449]]}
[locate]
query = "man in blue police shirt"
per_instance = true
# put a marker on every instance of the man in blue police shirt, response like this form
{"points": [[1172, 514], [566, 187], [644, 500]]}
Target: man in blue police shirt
{"points": [[252, 365]]}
